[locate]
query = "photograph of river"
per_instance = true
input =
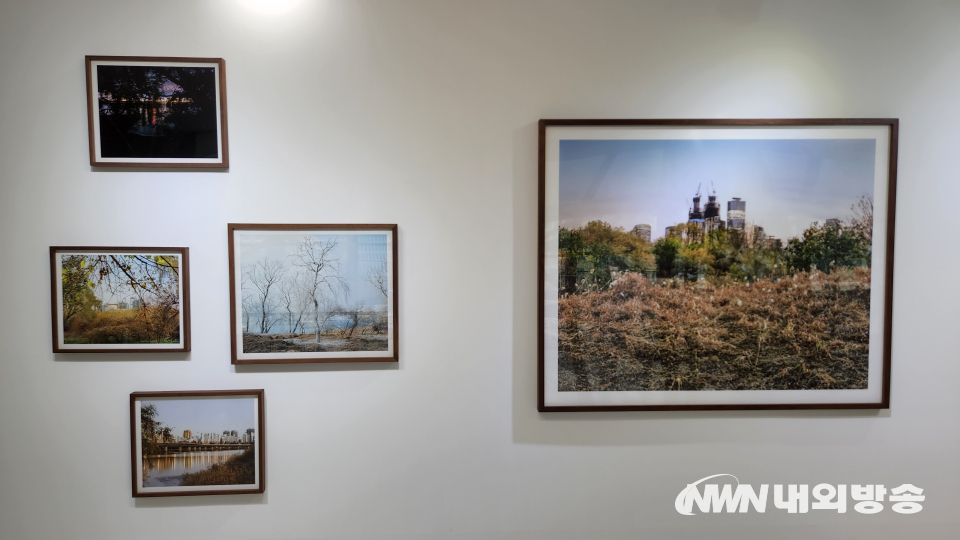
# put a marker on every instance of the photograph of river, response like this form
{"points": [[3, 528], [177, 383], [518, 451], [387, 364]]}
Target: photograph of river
{"points": [[168, 469], [157, 112], [198, 441]]}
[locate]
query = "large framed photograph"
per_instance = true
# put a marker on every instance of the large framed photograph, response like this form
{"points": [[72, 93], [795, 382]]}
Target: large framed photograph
{"points": [[157, 111], [120, 299], [197, 442], [715, 264], [313, 293]]}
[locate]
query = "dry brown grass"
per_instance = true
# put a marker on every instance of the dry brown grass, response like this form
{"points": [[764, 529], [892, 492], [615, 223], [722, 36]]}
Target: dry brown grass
{"points": [[239, 469], [329, 342], [805, 331], [117, 326]]}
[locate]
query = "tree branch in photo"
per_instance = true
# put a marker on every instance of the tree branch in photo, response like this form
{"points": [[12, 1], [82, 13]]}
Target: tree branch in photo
{"points": [[862, 220], [322, 274], [265, 275]]}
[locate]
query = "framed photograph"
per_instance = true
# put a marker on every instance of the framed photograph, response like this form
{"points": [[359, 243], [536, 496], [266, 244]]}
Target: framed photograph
{"points": [[715, 264], [146, 111], [197, 442], [120, 299], [313, 293]]}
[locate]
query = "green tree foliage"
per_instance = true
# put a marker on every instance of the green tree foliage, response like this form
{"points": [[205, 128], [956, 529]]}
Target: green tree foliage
{"points": [[756, 264], [78, 297], [821, 247], [665, 252], [694, 260], [588, 254], [150, 428], [726, 246]]}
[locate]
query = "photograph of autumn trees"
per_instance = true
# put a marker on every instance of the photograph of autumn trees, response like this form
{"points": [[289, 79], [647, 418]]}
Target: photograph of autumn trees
{"points": [[120, 298], [715, 264], [157, 111], [312, 291]]}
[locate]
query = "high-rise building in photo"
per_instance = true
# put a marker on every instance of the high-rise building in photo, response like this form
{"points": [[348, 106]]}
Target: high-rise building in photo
{"points": [[187, 434], [736, 213], [711, 214], [643, 231], [696, 215], [759, 236]]}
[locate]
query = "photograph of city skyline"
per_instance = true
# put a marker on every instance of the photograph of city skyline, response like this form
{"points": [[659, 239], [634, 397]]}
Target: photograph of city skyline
{"points": [[207, 441], [726, 264]]}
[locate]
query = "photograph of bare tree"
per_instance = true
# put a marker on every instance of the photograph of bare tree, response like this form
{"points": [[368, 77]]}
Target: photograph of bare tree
{"points": [[690, 263], [313, 293], [120, 299], [156, 112]]}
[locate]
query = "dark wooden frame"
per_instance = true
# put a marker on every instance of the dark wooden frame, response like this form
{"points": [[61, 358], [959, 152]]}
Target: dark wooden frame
{"points": [[92, 115], [135, 463], [892, 123], [394, 284], [56, 312]]}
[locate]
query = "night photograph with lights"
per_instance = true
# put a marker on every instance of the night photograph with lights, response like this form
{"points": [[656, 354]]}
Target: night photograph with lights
{"points": [[157, 111]]}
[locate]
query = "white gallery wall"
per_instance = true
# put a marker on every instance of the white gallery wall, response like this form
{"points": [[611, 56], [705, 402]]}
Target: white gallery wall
{"points": [[424, 114]]}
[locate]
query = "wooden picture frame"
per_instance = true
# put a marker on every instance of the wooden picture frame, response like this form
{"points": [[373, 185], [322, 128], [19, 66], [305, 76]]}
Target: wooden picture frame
{"points": [[343, 308], [157, 112], [120, 299], [187, 450], [627, 329]]}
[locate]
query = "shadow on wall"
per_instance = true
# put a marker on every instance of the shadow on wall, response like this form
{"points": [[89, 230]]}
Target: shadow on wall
{"points": [[122, 357], [304, 367], [634, 427], [199, 500]]}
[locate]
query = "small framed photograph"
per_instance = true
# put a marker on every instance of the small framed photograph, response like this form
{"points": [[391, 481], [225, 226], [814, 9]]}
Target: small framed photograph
{"points": [[313, 293], [120, 299], [197, 442], [146, 111], [716, 264]]}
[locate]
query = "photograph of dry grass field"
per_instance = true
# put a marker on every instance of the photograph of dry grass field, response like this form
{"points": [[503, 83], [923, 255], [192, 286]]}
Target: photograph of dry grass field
{"points": [[807, 331], [664, 280]]}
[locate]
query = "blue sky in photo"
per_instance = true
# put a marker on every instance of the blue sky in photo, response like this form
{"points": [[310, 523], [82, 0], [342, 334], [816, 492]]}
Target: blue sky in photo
{"points": [[786, 183], [205, 415], [353, 262]]}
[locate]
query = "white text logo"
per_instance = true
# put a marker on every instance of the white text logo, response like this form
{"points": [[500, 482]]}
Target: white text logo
{"points": [[794, 498]]}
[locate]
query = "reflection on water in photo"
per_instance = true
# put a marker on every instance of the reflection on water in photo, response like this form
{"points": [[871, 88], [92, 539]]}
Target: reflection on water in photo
{"points": [[167, 470]]}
